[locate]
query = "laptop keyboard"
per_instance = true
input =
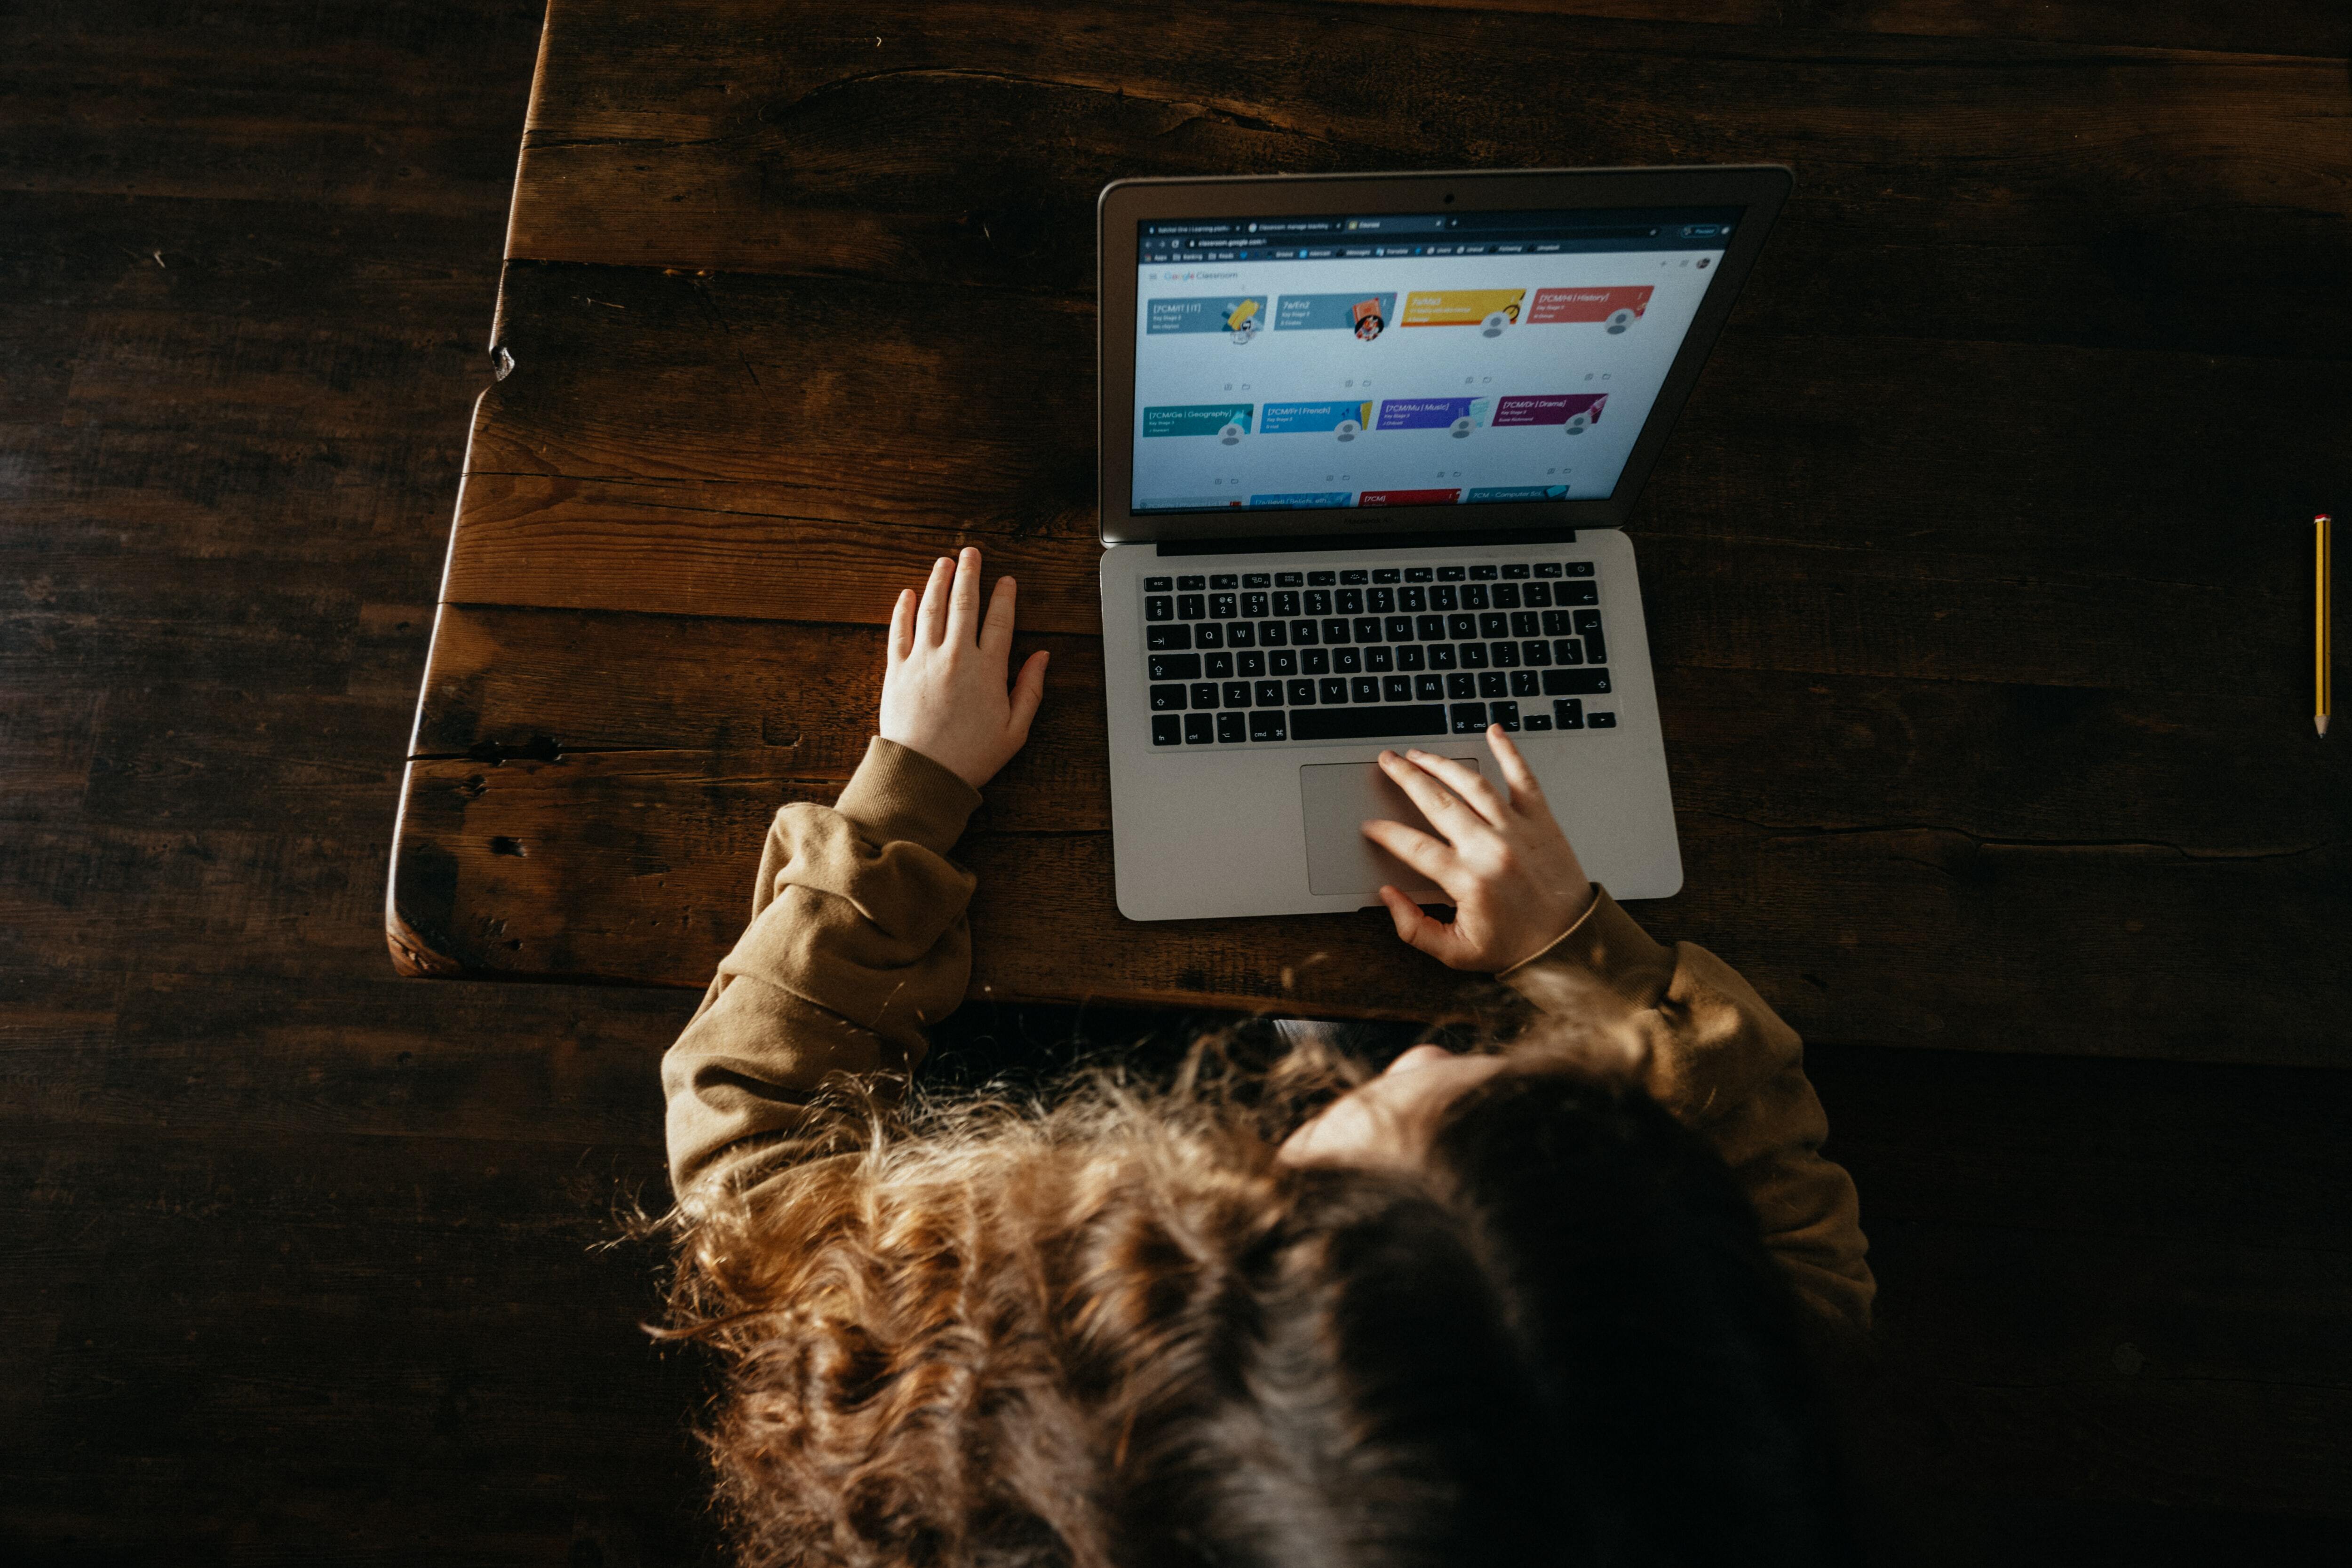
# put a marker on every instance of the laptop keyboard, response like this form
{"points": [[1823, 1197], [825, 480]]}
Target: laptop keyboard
{"points": [[1374, 653]]}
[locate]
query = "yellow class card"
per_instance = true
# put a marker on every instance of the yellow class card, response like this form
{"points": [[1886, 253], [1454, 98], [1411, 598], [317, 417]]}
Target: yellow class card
{"points": [[1461, 306]]}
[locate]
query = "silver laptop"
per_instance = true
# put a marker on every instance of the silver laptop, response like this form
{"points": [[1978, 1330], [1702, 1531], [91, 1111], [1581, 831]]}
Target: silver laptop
{"points": [[1367, 442]]}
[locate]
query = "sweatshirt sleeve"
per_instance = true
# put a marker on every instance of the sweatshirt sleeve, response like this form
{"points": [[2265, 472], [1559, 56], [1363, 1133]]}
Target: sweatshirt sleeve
{"points": [[1725, 1065], [858, 941]]}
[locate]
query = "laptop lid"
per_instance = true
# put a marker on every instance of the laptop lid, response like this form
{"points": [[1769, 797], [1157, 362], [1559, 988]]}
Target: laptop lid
{"points": [[1372, 355]]}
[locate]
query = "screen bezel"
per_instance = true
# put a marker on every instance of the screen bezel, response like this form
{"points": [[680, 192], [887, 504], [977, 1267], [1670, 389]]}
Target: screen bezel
{"points": [[1124, 204]]}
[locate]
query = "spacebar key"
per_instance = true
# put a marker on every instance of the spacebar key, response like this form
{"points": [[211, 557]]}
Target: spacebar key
{"points": [[1366, 723]]}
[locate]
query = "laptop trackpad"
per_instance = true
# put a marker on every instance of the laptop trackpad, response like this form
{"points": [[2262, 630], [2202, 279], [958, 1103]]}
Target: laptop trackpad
{"points": [[1340, 797]]}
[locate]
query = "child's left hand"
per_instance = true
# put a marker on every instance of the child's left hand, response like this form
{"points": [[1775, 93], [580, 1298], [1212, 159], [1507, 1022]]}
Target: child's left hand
{"points": [[943, 692]]}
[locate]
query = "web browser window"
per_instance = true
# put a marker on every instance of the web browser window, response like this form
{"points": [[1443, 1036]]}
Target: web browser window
{"points": [[1415, 359]]}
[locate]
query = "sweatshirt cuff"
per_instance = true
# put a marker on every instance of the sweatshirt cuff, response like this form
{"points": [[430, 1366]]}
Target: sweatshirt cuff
{"points": [[1603, 946], [900, 793]]}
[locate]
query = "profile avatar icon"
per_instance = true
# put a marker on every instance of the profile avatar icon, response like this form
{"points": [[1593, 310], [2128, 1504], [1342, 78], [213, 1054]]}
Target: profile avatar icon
{"points": [[1492, 327], [1369, 321], [1348, 429], [1619, 319], [1576, 422], [1229, 435], [1461, 427], [1241, 321]]}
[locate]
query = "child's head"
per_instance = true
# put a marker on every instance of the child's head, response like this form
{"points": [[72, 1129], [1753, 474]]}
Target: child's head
{"points": [[1125, 1330]]}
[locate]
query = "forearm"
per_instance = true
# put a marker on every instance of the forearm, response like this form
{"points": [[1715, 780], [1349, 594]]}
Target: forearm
{"points": [[1727, 1065], [857, 943]]}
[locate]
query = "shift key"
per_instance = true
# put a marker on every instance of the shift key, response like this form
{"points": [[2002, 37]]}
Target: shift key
{"points": [[1175, 666]]}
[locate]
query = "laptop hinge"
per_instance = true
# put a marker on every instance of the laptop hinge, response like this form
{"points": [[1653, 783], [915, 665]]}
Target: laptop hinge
{"points": [[1309, 544]]}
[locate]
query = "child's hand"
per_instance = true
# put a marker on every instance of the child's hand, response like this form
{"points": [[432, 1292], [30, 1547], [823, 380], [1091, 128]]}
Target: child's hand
{"points": [[943, 693], [1515, 883]]}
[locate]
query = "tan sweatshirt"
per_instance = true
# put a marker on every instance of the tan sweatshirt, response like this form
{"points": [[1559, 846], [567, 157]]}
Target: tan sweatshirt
{"points": [[858, 940]]}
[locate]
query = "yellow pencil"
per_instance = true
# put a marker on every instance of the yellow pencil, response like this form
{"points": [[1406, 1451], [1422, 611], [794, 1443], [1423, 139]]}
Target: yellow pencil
{"points": [[2321, 525]]}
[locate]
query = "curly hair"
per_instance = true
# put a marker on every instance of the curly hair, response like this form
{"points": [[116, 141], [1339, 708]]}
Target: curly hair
{"points": [[1108, 1328]]}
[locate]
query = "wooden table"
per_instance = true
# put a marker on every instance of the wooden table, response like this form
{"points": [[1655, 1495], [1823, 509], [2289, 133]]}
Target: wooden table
{"points": [[1977, 570]]}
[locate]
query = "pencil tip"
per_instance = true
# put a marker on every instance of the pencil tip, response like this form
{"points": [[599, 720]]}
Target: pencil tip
{"points": [[2319, 722]]}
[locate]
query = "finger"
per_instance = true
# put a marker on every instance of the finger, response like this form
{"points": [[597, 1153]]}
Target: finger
{"points": [[1416, 928], [997, 631], [1431, 858], [1467, 782], [902, 626], [1526, 794], [963, 602], [1437, 802], [932, 620], [1028, 690]]}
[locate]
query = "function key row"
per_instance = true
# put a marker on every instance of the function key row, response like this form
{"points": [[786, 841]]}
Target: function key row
{"points": [[1228, 582]]}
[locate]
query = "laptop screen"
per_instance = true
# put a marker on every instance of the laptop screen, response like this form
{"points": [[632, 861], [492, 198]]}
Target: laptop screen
{"points": [[1413, 359]]}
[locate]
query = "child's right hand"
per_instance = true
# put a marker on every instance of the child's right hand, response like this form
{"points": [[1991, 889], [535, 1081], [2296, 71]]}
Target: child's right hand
{"points": [[1514, 881]]}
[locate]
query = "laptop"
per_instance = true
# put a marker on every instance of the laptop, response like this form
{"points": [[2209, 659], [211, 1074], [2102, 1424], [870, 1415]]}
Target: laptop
{"points": [[1368, 445]]}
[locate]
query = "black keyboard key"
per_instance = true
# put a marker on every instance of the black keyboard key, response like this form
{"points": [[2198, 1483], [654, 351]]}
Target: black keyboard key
{"points": [[1249, 666], [1357, 576], [1302, 693], [1473, 595], [1225, 606], [1364, 689], [1384, 573], [1491, 683], [1367, 628], [1237, 694], [1417, 573], [1192, 607], [1516, 569], [1272, 634], [1366, 723], [1346, 661], [1429, 628], [1429, 687], [1461, 685], [1256, 607], [1578, 594], [1318, 602], [1481, 573], [1378, 660], [1257, 580], [1167, 730], [1444, 597], [1303, 633], [1159, 585], [1505, 655], [1537, 595], [1556, 624], [1398, 628], [1208, 634], [1266, 724], [1523, 683], [1283, 663], [1241, 634], [1156, 639], [1333, 689], [1506, 595], [1412, 601], [1167, 698], [1227, 580], [1535, 651], [1289, 579], [1410, 657], [1200, 728], [1348, 601], [1506, 714], [1469, 718], [1461, 626], [1472, 655], [1526, 623], [1380, 600], [1537, 721], [1269, 694], [1580, 568], [1159, 607], [1191, 585], [1595, 650], [1175, 665], [1335, 629], [1580, 682], [1569, 713], [1314, 661], [1588, 626], [1232, 727], [1220, 665], [1601, 721], [1493, 624], [1321, 579], [1285, 604], [1567, 650], [1547, 568], [1204, 694], [1395, 689], [1440, 655]]}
